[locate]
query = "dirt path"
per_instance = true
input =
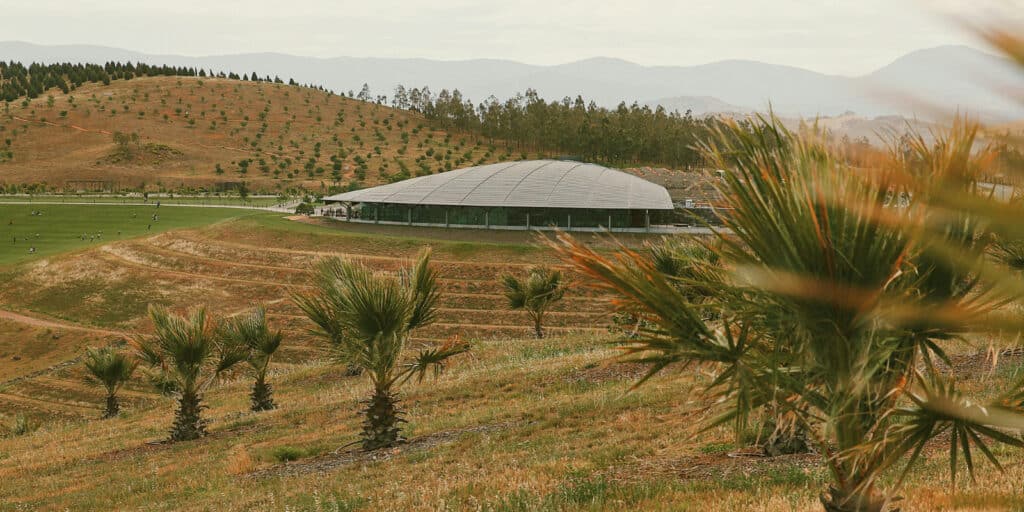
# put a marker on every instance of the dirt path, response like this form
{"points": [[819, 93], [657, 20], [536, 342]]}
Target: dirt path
{"points": [[50, 324], [73, 127], [54, 324]]}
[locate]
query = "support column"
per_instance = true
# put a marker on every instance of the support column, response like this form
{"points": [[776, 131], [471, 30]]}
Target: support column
{"points": [[376, 214], [609, 223], [527, 221], [647, 220], [487, 219], [568, 225], [408, 215], [446, 218]]}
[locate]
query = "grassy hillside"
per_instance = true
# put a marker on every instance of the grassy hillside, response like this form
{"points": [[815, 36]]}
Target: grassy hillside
{"points": [[97, 291], [273, 136], [489, 435], [516, 425]]}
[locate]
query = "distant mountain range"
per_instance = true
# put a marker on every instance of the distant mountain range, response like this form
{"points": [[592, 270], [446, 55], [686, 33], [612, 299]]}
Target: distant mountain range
{"points": [[926, 84]]}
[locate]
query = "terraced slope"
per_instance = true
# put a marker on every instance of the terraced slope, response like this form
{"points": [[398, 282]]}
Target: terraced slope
{"points": [[99, 296]]}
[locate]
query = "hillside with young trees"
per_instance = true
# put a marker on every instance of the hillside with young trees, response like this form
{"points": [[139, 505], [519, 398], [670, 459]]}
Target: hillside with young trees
{"points": [[191, 133], [72, 127]]}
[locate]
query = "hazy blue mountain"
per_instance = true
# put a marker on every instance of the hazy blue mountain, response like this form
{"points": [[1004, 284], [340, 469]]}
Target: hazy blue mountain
{"points": [[947, 77], [699, 105]]}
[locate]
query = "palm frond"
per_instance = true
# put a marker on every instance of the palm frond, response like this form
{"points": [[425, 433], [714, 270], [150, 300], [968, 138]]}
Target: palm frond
{"points": [[433, 359], [109, 367], [423, 284], [935, 408]]}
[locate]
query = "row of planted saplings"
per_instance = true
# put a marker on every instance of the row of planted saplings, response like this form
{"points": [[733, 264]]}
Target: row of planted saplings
{"points": [[365, 316]]}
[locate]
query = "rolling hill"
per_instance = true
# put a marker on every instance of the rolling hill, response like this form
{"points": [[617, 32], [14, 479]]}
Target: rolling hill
{"points": [[198, 132]]}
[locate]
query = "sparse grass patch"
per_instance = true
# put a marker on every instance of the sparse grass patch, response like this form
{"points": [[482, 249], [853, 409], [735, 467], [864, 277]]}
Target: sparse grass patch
{"points": [[285, 454]]}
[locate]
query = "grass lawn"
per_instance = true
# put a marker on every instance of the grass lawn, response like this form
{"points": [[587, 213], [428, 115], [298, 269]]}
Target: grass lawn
{"points": [[60, 228]]}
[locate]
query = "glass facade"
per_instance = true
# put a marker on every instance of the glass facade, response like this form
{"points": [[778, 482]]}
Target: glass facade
{"points": [[563, 218]]}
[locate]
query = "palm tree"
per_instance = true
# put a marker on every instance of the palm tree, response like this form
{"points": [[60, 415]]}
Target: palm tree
{"points": [[535, 294], [367, 318], [112, 369], [837, 301], [691, 266], [252, 335], [186, 355]]}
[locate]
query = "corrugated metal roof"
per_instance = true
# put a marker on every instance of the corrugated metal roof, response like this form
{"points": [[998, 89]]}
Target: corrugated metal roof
{"points": [[525, 184]]}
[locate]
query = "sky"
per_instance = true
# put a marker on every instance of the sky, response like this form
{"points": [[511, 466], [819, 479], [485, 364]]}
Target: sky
{"points": [[846, 37]]}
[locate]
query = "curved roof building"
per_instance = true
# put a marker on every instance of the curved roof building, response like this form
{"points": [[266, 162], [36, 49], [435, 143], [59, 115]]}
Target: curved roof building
{"points": [[525, 194]]}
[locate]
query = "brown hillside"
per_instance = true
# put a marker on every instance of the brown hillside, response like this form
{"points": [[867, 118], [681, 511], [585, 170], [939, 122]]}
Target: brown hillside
{"points": [[187, 126]]}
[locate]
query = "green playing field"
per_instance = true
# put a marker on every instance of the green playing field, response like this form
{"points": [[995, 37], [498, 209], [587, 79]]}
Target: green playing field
{"points": [[54, 229]]}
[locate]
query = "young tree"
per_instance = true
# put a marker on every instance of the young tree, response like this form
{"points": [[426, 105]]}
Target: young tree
{"points": [[112, 369], [840, 301], [364, 93], [367, 318], [186, 355], [126, 143], [400, 99], [251, 334], [536, 293]]}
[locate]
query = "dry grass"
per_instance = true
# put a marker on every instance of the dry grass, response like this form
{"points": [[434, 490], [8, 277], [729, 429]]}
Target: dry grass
{"points": [[57, 306], [205, 122], [189, 126], [522, 425], [518, 424]]}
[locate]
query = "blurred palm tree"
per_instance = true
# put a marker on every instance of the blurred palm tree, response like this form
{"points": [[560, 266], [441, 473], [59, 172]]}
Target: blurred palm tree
{"points": [[251, 334], [536, 293], [367, 318], [838, 301], [111, 368], [185, 355]]}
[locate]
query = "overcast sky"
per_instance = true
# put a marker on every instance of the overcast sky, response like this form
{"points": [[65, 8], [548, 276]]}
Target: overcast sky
{"points": [[834, 36]]}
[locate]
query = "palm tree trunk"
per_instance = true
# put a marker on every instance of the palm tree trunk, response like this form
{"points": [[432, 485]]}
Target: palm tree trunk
{"points": [[538, 330], [262, 395], [113, 407], [381, 425], [848, 500], [188, 421]]}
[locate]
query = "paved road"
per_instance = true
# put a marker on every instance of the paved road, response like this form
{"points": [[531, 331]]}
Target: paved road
{"points": [[287, 208]]}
